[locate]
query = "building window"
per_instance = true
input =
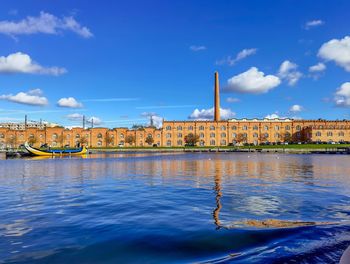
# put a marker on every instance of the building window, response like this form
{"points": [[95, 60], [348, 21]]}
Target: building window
{"points": [[223, 142], [277, 135], [266, 128], [298, 128], [234, 135], [318, 134], [190, 128], [168, 143], [168, 135], [201, 135], [212, 142], [77, 136], [99, 143], [234, 128], [255, 127], [212, 127], [223, 135], [341, 134], [244, 135], [266, 135], [277, 128], [168, 128], [54, 136], [244, 128], [255, 135], [212, 135], [121, 135], [99, 135], [179, 128], [223, 128], [201, 143], [201, 128], [179, 142], [2, 135], [179, 135], [158, 135], [329, 134], [287, 128]]}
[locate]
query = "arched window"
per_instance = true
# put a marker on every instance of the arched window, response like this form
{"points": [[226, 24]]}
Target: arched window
{"points": [[266, 128], [179, 142], [179, 135], [212, 127], [266, 135], [201, 128], [149, 135], [255, 135], [234, 135], [234, 128], [223, 128], [341, 134], [244, 135], [244, 128], [54, 136], [168, 135], [99, 135], [277, 135], [223, 142], [77, 136], [168, 128], [179, 128], [318, 134], [255, 127], [287, 127], [168, 143], [2, 135], [201, 135], [212, 135], [99, 143], [223, 135], [201, 143], [190, 128], [277, 128], [329, 134], [298, 128], [212, 142], [121, 135]]}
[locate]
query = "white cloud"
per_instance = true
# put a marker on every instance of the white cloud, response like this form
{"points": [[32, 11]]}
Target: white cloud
{"points": [[240, 56], [337, 50], [75, 117], [156, 119], [252, 81], [45, 23], [29, 98], [319, 67], [288, 71], [197, 48], [313, 23], [272, 116], [95, 120], [22, 63], [70, 102], [342, 95], [232, 100], [296, 108], [206, 114]]}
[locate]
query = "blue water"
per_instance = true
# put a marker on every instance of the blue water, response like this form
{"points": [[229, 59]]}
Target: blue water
{"points": [[174, 208]]}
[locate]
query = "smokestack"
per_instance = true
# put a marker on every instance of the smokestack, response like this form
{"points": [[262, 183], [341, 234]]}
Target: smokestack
{"points": [[25, 121], [216, 97], [83, 121]]}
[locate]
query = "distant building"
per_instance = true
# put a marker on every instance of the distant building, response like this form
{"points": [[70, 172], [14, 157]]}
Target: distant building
{"points": [[211, 133]]}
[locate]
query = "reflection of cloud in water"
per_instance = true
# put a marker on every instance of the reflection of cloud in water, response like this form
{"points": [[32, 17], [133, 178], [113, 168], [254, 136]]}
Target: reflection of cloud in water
{"points": [[15, 229], [259, 205]]}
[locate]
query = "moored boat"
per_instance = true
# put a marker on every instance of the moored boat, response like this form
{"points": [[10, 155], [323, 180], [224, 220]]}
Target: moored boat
{"points": [[55, 152]]}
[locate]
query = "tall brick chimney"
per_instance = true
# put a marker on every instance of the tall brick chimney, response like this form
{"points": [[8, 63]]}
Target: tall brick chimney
{"points": [[216, 98]]}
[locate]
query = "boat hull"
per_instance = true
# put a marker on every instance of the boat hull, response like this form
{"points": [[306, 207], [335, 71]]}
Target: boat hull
{"points": [[67, 152]]}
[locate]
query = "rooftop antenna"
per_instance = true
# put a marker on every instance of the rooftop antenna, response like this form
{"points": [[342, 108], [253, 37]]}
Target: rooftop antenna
{"points": [[92, 122], [83, 121], [151, 121], [25, 122]]}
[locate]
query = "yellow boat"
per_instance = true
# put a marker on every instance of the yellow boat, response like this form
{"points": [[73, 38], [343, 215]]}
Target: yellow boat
{"points": [[55, 152]]}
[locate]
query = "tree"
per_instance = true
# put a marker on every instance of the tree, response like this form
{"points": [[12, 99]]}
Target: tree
{"points": [[130, 139], [262, 138], [32, 140], [240, 138], [82, 141], [191, 139], [286, 137], [108, 139], [149, 140]]}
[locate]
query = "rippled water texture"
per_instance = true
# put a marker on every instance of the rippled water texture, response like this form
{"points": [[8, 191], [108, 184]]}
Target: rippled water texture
{"points": [[164, 208]]}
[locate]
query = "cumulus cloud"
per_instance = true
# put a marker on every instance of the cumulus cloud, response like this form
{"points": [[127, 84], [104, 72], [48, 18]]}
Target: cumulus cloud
{"points": [[232, 100], [296, 108], [96, 121], [342, 95], [313, 23], [75, 117], [240, 56], [288, 71], [45, 23], [22, 63], [252, 81], [337, 50], [32, 97], [206, 114], [272, 116], [197, 48], [319, 67], [156, 119], [70, 102]]}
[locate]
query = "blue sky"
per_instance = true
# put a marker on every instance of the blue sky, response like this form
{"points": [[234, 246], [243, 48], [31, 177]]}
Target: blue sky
{"points": [[119, 61]]}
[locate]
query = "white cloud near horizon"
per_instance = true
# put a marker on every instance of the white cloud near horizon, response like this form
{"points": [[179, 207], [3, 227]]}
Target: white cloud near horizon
{"points": [[313, 23], [252, 81], [296, 108], [240, 56], [96, 121], [22, 63], [288, 71], [205, 114], [164, 106], [197, 48], [32, 97], [45, 23], [337, 50], [157, 120], [69, 102], [342, 95]]}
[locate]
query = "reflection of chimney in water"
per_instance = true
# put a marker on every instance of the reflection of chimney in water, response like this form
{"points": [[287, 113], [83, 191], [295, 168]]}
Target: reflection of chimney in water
{"points": [[218, 195]]}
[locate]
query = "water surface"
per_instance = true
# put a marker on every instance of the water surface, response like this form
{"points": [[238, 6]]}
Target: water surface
{"points": [[174, 208]]}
